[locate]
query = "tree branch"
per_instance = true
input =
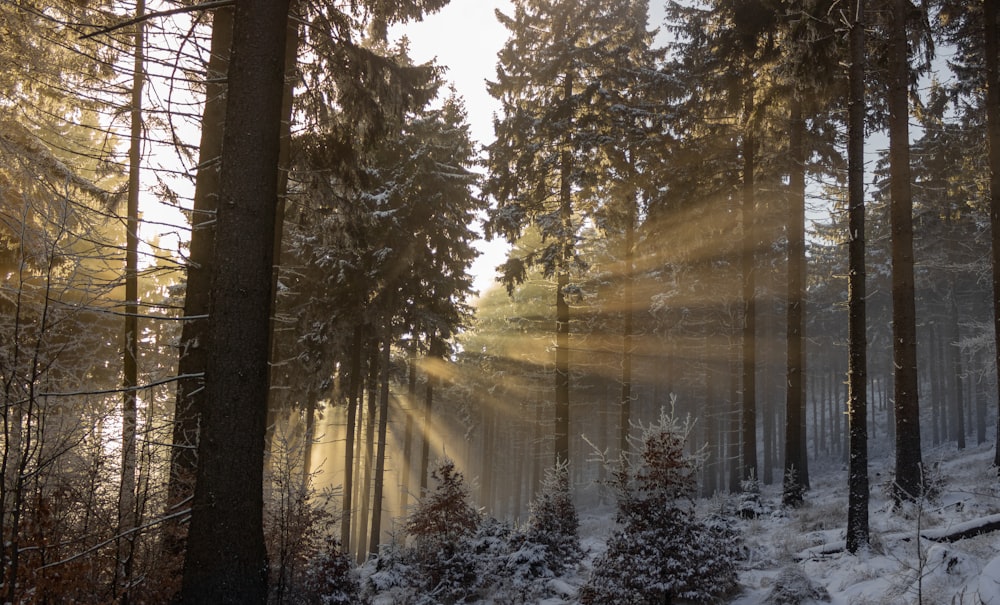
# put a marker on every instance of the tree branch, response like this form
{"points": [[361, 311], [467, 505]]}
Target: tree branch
{"points": [[204, 6]]}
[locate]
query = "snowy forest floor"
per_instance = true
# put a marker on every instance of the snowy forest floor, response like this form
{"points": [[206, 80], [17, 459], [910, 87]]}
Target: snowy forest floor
{"points": [[796, 556]]}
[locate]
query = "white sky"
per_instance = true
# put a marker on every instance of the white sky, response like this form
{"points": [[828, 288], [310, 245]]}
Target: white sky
{"points": [[464, 37]]}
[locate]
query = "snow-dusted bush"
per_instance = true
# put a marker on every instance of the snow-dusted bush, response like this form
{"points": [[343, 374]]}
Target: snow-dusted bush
{"points": [[749, 505], [660, 550], [794, 587], [441, 530], [330, 578], [553, 522]]}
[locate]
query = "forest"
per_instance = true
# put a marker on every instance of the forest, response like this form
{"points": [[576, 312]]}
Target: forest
{"points": [[753, 264]]}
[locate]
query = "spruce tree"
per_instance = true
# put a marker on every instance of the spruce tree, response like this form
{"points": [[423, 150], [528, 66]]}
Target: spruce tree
{"points": [[660, 550]]}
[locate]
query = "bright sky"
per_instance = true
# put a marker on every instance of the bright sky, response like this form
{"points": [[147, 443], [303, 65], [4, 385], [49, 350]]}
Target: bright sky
{"points": [[465, 37]]}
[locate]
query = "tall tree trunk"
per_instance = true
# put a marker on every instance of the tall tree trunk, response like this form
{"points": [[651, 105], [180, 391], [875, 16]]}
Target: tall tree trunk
{"points": [[904, 324], [226, 559], [628, 276], [992, 47], [368, 460], [130, 370], [958, 392], [735, 417], [562, 307], [411, 397], [194, 351], [383, 423], [562, 325], [434, 350], [354, 390], [284, 166], [749, 370], [795, 453], [857, 342]]}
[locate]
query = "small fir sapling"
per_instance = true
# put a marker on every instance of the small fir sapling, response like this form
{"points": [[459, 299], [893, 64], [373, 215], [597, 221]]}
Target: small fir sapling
{"points": [[553, 521], [442, 528], [749, 505], [660, 550], [331, 578]]}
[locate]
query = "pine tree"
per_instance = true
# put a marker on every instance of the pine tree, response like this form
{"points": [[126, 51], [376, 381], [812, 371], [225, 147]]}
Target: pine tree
{"points": [[660, 550], [553, 521], [441, 528]]}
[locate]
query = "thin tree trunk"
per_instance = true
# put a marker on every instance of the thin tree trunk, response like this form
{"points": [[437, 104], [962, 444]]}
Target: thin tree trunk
{"points": [[992, 47], [411, 397], [366, 482], [625, 401], [735, 418], [857, 343], [749, 371], [194, 352], [383, 423], [958, 406], [284, 165], [425, 452], [226, 559], [130, 371], [908, 485], [354, 388], [795, 454]]}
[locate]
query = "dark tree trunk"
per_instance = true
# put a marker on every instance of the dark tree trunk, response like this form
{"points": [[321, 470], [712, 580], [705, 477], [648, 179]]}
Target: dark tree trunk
{"points": [[411, 397], [127, 513], [795, 453], [354, 390], [194, 354], [958, 393], [735, 470], [749, 371], [857, 343], [369, 457], [625, 400], [562, 322], [904, 324], [383, 423], [991, 48], [226, 560], [425, 453]]}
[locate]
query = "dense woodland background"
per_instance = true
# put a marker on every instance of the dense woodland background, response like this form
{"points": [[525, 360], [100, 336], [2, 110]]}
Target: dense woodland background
{"points": [[677, 199]]}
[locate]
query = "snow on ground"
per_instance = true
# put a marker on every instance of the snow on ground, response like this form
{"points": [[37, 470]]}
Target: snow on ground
{"points": [[804, 547]]}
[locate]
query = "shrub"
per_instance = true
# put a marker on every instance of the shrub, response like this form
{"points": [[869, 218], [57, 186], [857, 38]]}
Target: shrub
{"points": [[660, 550], [553, 522]]}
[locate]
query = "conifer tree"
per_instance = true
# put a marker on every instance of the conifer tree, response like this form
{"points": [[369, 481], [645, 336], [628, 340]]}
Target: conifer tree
{"points": [[549, 80], [660, 550]]}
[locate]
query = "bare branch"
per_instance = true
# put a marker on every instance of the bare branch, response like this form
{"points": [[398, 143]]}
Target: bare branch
{"points": [[204, 6]]}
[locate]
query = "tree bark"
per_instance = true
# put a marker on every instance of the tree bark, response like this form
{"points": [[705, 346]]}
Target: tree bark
{"points": [[904, 326], [354, 388], [425, 452], [369, 455], [628, 276], [991, 47], [857, 342], [749, 368], [194, 353], [130, 367], [383, 423], [226, 560], [795, 453]]}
